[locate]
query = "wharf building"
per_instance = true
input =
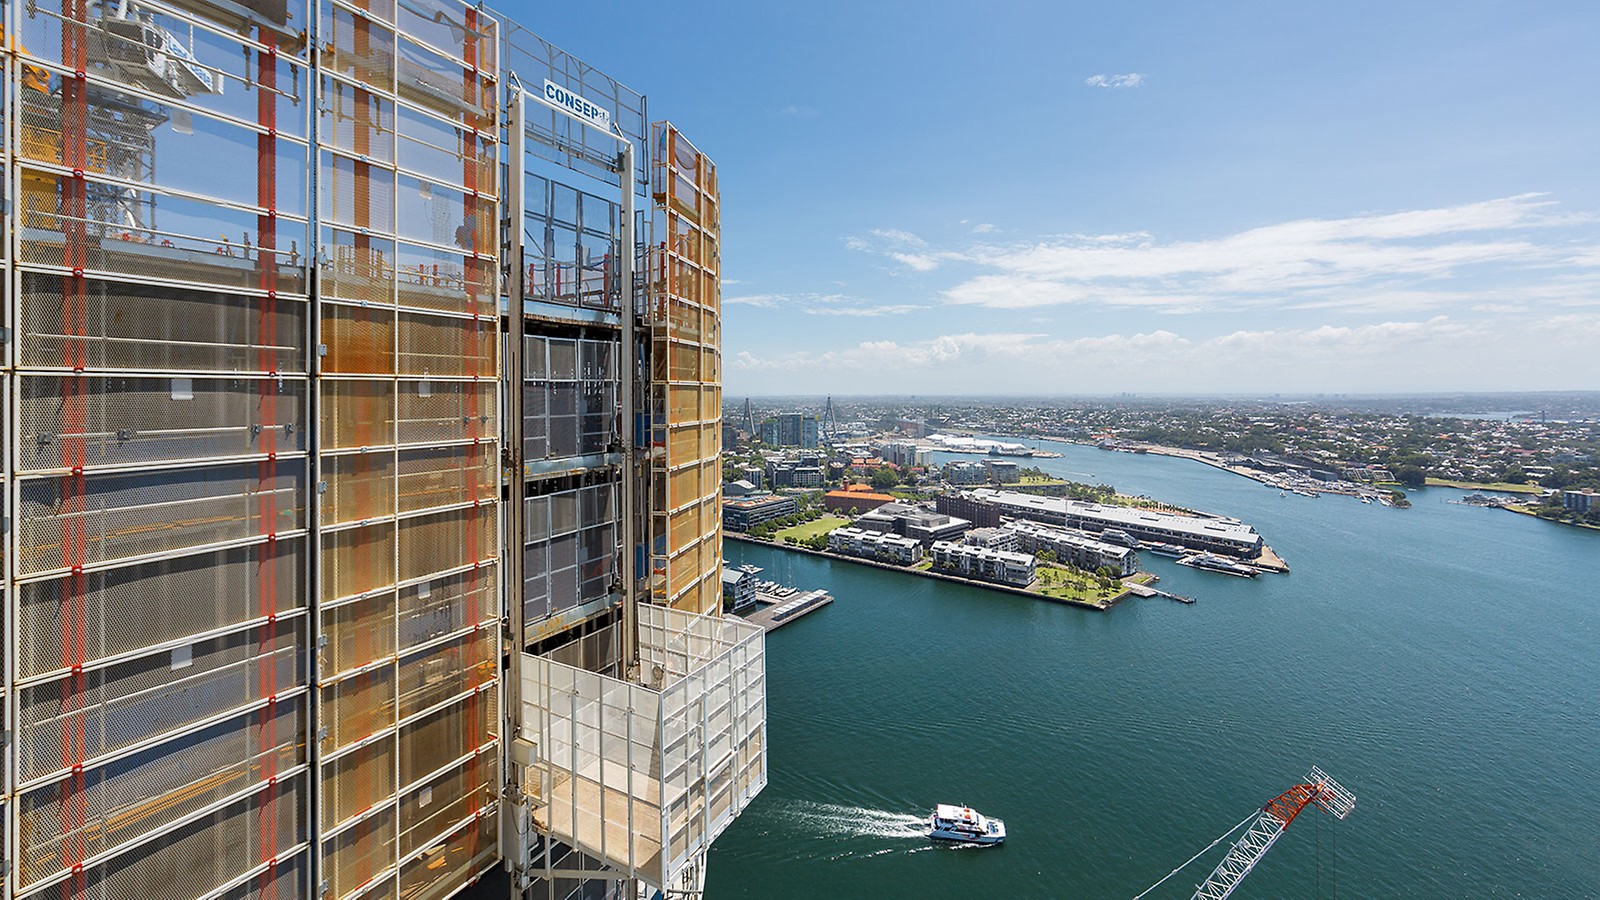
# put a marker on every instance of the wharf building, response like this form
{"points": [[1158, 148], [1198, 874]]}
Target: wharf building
{"points": [[988, 506], [361, 380], [1003, 566], [875, 545]]}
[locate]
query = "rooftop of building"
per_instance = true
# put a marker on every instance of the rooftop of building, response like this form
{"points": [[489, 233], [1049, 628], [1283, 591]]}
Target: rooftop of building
{"points": [[755, 501], [1120, 515]]}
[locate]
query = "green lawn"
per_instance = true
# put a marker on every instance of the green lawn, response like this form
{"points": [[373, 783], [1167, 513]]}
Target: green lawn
{"points": [[1065, 585], [1040, 479], [811, 529], [1502, 486]]}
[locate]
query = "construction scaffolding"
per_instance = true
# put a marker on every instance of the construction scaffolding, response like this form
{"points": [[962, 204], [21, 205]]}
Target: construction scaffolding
{"points": [[408, 463], [273, 495], [685, 376], [157, 637]]}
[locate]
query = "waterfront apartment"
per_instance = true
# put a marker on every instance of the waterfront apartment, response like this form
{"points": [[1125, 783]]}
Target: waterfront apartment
{"points": [[1003, 566], [1080, 548], [738, 589], [330, 552], [992, 538], [987, 506], [745, 513], [877, 545]]}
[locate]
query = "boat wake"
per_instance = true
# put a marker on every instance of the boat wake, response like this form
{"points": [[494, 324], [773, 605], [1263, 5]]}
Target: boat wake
{"points": [[856, 821]]}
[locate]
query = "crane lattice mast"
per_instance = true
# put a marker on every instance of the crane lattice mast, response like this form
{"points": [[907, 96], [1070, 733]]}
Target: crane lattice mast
{"points": [[1269, 825]]}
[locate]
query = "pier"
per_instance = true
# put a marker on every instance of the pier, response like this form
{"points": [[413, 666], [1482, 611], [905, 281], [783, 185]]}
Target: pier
{"points": [[1144, 590], [784, 605]]}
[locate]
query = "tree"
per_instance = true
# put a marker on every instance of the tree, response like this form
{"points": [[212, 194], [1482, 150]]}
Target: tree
{"points": [[884, 478], [1514, 474], [1411, 476], [1045, 556]]}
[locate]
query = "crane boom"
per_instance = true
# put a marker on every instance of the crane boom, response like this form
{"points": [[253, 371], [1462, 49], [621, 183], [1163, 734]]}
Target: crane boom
{"points": [[1269, 825]]}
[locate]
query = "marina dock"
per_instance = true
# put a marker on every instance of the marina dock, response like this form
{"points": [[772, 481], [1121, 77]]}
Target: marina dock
{"points": [[782, 605], [1144, 590]]}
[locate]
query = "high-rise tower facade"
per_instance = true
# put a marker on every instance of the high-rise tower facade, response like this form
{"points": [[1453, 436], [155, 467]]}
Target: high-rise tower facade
{"points": [[361, 416]]}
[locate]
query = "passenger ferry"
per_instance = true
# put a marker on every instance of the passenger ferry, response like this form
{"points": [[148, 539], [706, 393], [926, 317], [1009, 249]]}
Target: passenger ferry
{"points": [[964, 824]]}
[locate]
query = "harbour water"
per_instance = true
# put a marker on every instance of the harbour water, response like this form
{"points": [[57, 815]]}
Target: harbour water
{"points": [[1442, 662]]}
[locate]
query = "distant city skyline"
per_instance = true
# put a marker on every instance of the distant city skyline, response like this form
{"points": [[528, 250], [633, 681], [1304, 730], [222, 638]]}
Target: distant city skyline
{"points": [[1231, 197]]}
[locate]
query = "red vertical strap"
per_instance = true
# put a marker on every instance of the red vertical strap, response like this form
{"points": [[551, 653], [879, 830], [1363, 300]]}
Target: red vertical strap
{"points": [[73, 489], [266, 468], [472, 349]]}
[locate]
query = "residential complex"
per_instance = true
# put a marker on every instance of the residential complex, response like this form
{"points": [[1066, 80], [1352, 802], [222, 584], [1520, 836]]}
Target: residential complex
{"points": [[1070, 546], [1004, 566], [363, 371], [875, 545]]}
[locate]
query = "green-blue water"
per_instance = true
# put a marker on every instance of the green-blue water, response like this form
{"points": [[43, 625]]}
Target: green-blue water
{"points": [[1442, 662]]}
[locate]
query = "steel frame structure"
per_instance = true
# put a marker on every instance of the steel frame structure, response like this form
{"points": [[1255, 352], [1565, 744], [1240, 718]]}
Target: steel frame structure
{"points": [[1269, 825]]}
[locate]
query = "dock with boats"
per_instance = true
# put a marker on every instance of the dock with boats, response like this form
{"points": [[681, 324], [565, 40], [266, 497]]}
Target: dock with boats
{"points": [[780, 604]]}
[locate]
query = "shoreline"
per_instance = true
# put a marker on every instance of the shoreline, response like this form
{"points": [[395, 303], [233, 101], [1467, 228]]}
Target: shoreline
{"points": [[926, 573]]}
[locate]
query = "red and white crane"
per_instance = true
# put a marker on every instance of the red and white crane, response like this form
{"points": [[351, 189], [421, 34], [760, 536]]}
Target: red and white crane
{"points": [[1266, 826]]}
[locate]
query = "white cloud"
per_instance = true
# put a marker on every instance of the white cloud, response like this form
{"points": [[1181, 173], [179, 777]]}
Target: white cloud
{"points": [[1410, 257], [1130, 80], [1433, 353], [817, 304], [896, 236], [795, 111], [917, 262], [907, 249], [982, 228], [897, 309]]}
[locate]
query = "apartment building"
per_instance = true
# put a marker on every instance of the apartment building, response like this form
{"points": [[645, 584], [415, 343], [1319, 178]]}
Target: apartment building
{"points": [[318, 423], [1015, 569], [875, 545]]}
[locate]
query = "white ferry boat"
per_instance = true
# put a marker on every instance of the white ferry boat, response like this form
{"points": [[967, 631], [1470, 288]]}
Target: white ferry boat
{"points": [[964, 824]]}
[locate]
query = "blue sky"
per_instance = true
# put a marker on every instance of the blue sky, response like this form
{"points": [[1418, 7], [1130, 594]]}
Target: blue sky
{"points": [[949, 198]]}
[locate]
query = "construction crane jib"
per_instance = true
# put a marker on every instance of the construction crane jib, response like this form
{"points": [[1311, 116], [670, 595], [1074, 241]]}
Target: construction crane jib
{"points": [[1269, 825]]}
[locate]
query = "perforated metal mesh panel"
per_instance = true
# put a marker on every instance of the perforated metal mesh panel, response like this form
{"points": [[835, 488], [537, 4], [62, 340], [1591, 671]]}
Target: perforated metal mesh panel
{"points": [[409, 455], [158, 473], [129, 420], [686, 391]]}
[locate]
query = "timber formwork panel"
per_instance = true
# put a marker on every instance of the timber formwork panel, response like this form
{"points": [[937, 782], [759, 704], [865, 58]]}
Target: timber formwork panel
{"points": [[156, 453], [685, 376], [408, 452]]}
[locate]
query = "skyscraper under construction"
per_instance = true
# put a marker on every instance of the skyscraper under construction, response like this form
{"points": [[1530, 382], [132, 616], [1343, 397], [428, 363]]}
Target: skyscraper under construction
{"points": [[361, 421]]}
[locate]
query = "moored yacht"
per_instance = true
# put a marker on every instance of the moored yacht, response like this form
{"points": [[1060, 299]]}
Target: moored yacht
{"points": [[964, 824]]}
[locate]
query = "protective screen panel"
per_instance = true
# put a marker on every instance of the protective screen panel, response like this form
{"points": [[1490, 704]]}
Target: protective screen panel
{"points": [[685, 375]]}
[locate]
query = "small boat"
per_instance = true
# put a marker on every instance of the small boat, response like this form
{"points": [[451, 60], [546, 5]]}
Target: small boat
{"points": [[965, 825]]}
